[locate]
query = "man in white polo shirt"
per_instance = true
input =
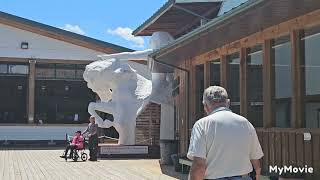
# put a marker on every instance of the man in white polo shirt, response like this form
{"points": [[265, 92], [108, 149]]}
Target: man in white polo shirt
{"points": [[223, 145]]}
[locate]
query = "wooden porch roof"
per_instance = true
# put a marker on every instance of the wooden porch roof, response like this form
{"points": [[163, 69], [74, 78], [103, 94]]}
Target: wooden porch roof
{"points": [[173, 19], [247, 19]]}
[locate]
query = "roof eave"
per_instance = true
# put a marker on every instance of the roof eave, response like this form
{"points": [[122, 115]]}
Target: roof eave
{"points": [[154, 17], [190, 36]]}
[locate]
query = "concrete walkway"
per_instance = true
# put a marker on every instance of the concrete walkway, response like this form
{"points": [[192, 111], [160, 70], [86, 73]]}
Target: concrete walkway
{"points": [[46, 165]]}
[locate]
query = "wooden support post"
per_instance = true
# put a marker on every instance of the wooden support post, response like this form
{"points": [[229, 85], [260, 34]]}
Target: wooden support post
{"points": [[268, 86], [243, 83], [297, 94], [224, 72], [31, 91]]}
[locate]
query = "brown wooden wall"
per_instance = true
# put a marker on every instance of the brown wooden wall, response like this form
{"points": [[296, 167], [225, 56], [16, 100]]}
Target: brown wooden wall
{"points": [[148, 125], [288, 147]]}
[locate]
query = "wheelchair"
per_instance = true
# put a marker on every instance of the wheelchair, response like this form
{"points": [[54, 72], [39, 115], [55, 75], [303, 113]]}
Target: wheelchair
{"points": [[77, 153]]}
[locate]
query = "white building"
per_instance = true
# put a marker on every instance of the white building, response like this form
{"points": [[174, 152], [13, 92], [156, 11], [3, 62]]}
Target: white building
{"points": [[41, 79]]}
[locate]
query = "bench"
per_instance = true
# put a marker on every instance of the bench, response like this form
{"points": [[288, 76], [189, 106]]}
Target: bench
{"points": [[185, 165]]}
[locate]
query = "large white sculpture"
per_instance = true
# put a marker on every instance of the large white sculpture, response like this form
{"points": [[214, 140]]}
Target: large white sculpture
{"points": [[124, 93]]}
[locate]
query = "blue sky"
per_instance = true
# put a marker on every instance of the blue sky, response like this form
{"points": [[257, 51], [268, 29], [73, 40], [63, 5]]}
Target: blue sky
{"points": [[107, 20]]}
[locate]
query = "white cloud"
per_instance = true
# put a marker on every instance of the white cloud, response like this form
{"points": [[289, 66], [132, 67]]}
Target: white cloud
{"points": [[126, 33], [73, 28]]}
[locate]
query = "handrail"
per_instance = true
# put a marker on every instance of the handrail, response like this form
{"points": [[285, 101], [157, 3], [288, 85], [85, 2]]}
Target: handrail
{"points": [[108, 137], [146, 140]]}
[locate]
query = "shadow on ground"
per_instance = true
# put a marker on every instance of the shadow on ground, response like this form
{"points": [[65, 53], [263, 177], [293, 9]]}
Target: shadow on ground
{"points": [[170, 171]]}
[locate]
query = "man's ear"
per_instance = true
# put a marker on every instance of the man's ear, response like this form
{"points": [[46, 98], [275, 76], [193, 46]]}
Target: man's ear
{"points": [[228, 103], [206, 109]]}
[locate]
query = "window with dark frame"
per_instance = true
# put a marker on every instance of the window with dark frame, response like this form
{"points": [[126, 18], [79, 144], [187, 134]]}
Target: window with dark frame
{"points": [[281, 67], [233, 81], [255, 85], [60, 71], [310, 72], [199, 91], [215, 72]]}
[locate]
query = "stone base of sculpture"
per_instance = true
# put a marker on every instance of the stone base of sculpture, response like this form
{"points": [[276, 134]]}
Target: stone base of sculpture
{"points": [[128, 151], [109, 149]]}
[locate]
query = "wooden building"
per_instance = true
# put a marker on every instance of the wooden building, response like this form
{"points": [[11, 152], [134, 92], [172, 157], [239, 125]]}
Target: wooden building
{"points": [[265, 53]]}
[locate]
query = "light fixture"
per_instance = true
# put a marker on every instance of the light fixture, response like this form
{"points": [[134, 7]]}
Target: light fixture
{"points": [[66, 88], [24, 45]]}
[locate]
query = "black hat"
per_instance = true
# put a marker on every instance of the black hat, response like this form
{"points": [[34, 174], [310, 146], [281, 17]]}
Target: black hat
{"points": [[78, 132]]}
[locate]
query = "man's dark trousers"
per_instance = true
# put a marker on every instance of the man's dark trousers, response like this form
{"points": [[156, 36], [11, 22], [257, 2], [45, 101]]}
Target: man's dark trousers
{"points": [[93, 147]]}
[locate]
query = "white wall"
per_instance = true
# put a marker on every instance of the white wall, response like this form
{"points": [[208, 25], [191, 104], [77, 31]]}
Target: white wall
{"points": [[40, 46], [38, 132]]}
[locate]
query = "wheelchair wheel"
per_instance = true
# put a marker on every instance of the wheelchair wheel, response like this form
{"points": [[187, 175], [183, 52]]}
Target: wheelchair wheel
{"points": [[84, 156], [75, 157]]}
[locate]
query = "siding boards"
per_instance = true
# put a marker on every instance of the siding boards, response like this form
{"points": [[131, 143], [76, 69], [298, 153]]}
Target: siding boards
{"points": [[287, 147], [148, 125]]}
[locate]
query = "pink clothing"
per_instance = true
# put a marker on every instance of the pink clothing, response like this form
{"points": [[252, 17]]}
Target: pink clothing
{"points": [[78, 141]]}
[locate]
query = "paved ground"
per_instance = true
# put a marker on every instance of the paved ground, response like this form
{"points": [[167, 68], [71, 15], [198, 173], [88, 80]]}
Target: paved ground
{"points": [[46, 164]]}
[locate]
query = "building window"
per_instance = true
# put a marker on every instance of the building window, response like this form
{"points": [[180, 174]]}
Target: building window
{"points": [[14, 69], [18, 69], [65, 71], [234, 81], [3, 68], [215, 72], [80, 70], [62, 102], [13, 95], [310, 43], [45, 71], [199, 91], [255, 85], [281, 58], [60, 71]]}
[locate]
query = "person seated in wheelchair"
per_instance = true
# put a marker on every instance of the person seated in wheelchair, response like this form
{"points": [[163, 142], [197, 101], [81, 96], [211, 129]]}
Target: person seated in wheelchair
{"points": [[77, 143]]}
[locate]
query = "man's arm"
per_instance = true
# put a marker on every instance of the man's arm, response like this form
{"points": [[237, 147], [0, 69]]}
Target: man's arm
{"points": [[197, 153], [257, 167], [256, 152], [86, 131], [198, 169]]}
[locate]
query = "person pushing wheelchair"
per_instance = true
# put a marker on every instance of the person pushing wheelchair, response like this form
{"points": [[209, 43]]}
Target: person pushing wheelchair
{"points": [[91, 132]]}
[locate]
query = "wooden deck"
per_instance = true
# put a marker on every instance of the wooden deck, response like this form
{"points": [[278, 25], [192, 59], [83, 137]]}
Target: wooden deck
{"points": [[46, 165]]}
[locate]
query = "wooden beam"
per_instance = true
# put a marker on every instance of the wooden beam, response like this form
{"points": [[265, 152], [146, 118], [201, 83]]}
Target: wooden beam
{"points": [[224, 71], [268, 84], [207, 74], [243, 82], [191, 118], [31, 91], [307, 20], [297, 95]]}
